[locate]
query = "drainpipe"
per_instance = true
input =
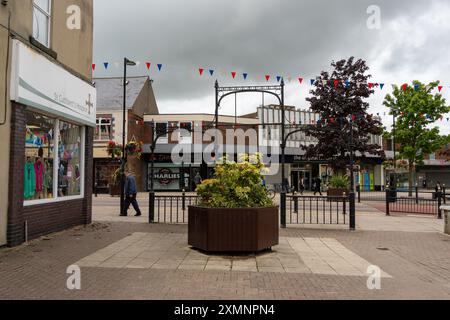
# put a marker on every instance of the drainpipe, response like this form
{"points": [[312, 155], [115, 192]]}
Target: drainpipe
{"points": [[3, 122]]}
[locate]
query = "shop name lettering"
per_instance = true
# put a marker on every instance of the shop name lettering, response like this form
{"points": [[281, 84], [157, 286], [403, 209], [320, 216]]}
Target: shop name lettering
{"points": [[167, 176], [73, 105]]}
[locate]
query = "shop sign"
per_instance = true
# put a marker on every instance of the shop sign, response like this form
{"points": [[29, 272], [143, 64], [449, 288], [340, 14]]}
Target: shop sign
{"points": [[42, 84], [165, 176]]}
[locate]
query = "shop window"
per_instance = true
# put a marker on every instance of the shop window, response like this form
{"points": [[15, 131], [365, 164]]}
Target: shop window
{"points": [[162, 131], [69, 151], [39, 157], [41, 21], [103, 130]]}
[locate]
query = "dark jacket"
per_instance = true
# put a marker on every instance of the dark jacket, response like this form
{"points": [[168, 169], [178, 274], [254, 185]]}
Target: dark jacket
{"points": [[130, 186]]}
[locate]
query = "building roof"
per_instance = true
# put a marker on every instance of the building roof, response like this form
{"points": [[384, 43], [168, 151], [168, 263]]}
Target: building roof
{"points": [[110, 92]]}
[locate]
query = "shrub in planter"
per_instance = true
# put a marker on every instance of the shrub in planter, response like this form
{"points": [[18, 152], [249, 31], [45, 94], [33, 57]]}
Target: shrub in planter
{"points": [[339, 185], [235, 213]]}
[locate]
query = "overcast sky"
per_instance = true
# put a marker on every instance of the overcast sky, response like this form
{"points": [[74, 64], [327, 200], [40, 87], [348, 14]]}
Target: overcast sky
{"points": [[290, 38]]}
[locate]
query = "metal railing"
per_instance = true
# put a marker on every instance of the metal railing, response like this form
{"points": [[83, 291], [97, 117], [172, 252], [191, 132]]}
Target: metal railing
{"points": [[415, 193], [171, 209], [317, 210], [395, 202]]}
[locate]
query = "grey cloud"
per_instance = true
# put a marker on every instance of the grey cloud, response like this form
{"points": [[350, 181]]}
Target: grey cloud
{"points": [[295, 37]]}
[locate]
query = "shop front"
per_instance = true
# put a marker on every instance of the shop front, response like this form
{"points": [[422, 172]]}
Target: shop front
{"points": [[53, 115], [176, 177]]}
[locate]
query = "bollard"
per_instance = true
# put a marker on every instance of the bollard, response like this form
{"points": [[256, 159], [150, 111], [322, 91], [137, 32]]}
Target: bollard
{"points": [[295, 204], [151, 209], [417, 194], [358, 188], [444, 194], [283, 208], [344, 203], [387, 202], [183, 201], [439, 197], [352, 211]]}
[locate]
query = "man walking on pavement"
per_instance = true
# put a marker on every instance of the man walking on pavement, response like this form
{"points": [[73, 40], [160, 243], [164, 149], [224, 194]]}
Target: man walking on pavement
{"points": [[318, 188], [130, 194]]}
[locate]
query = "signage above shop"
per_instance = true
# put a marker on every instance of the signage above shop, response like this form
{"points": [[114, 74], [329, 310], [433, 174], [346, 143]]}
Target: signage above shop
{"points": [[42, 84]]}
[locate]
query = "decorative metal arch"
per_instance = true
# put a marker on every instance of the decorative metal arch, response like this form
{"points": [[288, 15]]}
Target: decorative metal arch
{"points": [[223, 92]]}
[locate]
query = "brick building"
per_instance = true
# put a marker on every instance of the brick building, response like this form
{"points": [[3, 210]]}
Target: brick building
{"points": [[47, 117], [140, 100]]}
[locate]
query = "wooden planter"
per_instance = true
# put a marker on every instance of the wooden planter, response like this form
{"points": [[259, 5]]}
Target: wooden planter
{"points": [[233, 230], [337, 192]]}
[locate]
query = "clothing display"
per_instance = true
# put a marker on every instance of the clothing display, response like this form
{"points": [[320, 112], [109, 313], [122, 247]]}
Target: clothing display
{"points": [[39, 174], [29, 181]]}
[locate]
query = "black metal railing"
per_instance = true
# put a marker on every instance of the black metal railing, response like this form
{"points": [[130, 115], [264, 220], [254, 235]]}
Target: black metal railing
{"points": [[317, 210], [416, 193], [396, 202], [172, 209]]}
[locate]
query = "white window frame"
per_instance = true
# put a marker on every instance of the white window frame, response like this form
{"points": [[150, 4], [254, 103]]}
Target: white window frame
{"points": [[56, 198], [49, 16], [99, 125]]}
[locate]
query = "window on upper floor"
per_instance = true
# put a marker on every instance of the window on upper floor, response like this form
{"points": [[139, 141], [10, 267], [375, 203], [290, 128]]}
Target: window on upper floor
{"points": [[103, 131], [42, 21]]}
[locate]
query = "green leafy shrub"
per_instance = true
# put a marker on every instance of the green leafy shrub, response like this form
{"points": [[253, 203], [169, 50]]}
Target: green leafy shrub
{"points": [[339, 182], [236, 185]]}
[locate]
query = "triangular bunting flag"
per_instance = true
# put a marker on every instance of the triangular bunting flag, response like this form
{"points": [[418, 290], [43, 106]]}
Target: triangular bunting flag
{"points": [[106, 64], [278, 78], [160, 66], [416, 87], [404, 87], [148, 64], [93, 66], [301, 80], [381, 86], [440, 88], [201, 71], [312, 81], [233, 74], [267, 77], [370, 85], [211, 72], [245, 75], [347, 84]]}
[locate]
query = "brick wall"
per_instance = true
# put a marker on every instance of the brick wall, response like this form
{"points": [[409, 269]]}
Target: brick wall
{"points": [[47, 218]]}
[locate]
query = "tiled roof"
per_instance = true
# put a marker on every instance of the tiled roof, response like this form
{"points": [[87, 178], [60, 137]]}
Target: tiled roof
{"points": [[110, 92]]}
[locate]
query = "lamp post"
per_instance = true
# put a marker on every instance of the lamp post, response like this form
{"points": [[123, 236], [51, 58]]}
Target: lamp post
{"points": [[352, 181], [126, 63], [283, 159]]}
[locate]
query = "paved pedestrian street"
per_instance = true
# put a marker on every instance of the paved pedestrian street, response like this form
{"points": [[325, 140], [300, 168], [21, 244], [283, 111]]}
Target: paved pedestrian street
{"points": [[122, 260], [171, 252]]}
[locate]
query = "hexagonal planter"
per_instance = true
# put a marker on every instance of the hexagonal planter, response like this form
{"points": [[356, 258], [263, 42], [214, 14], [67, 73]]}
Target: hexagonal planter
{"points": [[233, 230]]}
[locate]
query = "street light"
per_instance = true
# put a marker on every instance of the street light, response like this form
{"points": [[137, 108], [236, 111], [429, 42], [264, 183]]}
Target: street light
{"points": [[126, 63]]}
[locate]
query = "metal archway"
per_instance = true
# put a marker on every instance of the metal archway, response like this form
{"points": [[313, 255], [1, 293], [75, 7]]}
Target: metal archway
{"points": [[278, 92]]}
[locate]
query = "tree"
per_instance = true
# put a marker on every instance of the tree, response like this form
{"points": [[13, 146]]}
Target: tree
{"points": [[339, 100], [417, 109]]}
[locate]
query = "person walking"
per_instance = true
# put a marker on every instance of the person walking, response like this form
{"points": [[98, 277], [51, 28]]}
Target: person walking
{"points": [[131, 194], [302, 185], [318, 188], [197, 180]]}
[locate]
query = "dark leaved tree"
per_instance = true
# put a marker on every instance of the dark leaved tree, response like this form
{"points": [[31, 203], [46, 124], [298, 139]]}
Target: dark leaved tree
{"points": [[339, 99]]}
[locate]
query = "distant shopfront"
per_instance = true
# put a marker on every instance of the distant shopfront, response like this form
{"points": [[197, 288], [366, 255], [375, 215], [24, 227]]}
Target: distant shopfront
{"points": [[53, 115], [175, 177]]}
